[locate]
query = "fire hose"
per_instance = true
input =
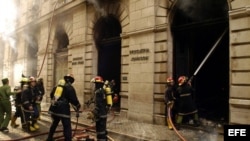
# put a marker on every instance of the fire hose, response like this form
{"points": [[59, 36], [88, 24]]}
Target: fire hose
{"points": [[49, 34], [170, 120], [190, 79], [59, 131], [77, 117]]}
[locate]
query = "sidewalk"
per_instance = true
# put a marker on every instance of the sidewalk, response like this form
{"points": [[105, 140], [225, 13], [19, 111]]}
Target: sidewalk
{"points": [[119, 125], [119, 129]]}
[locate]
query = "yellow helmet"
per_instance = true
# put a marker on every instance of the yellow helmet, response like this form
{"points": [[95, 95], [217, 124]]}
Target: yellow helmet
{"points": [[24, 80], [61, 82]]}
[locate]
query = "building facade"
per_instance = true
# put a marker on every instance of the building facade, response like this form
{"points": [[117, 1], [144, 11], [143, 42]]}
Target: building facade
{"points": [[139, 43]]}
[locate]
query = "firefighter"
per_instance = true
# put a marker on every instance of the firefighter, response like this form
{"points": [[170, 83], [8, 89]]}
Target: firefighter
{"points": [[99, 113], [169, 100], [41, 92], [5, 105], [18, 103], [186, 103], [115, 95], [29, 106], [61, 97]]}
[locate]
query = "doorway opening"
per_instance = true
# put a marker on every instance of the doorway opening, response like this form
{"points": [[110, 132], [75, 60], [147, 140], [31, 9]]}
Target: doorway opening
{"points": [[61, 56], [107, 32], [32, 54], [196, 27]]}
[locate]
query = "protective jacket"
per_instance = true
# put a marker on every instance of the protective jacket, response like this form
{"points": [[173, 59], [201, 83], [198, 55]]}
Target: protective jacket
{"points": [[18, 99], [170, 94], [100, 109], [29, 97], [100, 112], [61, 107], [41, 91], [186, 104]]}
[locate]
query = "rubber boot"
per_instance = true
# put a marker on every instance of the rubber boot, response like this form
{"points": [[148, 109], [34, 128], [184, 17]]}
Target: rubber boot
{"points": [[13, 122], [35, 125], [196, 120], [169, 124], [178, 122], [31, 128], [25, 127]]}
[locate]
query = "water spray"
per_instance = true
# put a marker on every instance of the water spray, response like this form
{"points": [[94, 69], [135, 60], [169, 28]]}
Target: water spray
{"points": [[205, 59]]}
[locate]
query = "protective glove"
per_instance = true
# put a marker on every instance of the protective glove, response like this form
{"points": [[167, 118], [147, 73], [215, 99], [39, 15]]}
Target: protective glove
{"points": [[115, 99], [77, 108], [38, 98], [170, 104]]}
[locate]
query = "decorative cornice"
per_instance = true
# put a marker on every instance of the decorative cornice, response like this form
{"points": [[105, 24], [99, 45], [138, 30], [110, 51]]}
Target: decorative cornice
{"points": [[85, 43], [157, 28], [241, 12], [239, 102], [59, 10]]}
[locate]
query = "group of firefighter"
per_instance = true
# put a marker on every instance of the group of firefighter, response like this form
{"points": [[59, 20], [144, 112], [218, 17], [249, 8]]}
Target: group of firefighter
{"points": [[64, 94], [27, 97], [180, 103]]}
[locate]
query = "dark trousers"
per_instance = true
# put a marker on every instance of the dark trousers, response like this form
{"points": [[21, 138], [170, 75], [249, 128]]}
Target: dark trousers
{"points": [[67, 130], [18, 113], [101, 129], [31, 115]]}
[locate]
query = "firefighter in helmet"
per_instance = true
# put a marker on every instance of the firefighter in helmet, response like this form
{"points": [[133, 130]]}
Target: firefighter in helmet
{"points": [[99, 113], [186, 102], [169, 100], [62, 96], [28, 99], [41, 92], [18, 103]]}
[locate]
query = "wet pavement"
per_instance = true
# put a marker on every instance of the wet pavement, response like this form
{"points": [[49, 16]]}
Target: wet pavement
{"points": [[121, 129]]}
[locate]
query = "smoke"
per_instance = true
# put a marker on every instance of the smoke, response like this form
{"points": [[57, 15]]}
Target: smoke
{"points": [[98, 6], [31, 40], [190, 8], [203, 9], [8, 14]]}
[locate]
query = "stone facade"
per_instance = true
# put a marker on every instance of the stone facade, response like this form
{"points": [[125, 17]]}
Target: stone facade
{"points": [[239, 62], [146, 51]]}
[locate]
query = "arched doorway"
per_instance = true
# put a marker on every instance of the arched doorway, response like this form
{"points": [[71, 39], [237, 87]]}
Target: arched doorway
{"points": [[107, 32], [196, 27]]}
